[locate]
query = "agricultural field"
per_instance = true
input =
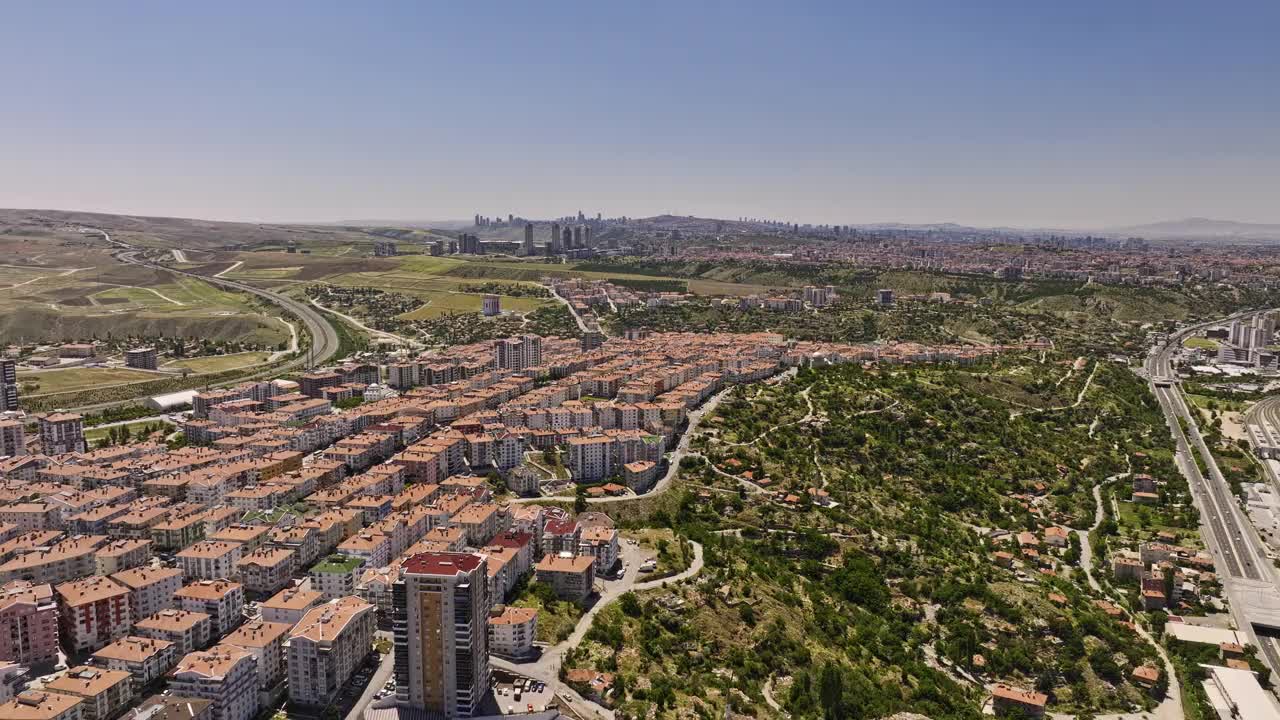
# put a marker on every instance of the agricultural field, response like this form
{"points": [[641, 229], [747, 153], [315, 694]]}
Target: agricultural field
{"points": [[218, 363], [66, 286], [45, 382]]}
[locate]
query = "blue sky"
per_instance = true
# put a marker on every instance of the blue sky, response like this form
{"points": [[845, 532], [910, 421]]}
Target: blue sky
{"points": [[1083, 114]]}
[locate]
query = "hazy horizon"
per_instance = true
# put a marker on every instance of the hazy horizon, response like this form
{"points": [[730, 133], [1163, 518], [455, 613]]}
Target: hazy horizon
{"points": [[1088, 116]]}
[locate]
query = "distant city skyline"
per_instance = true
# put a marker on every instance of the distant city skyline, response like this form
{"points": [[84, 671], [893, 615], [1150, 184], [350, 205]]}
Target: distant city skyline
{"points": [[1087, 116]]}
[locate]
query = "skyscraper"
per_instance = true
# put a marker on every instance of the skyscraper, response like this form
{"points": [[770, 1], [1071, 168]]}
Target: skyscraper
{"points": [[528, 238], [8, 385], [567, 238], [577, 237], [440, 615], [553, 247]]}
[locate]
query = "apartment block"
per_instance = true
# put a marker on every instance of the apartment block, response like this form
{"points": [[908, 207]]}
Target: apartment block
{"points": [[104, 692], [41, 705], [267, 571], [290, 605], [441, 634], [93, 611], [512, 631], [210, 559], [571, 576], [150, 589], [336, 576], [221, 600], [265, 641], [226, 676], [146, 659], [188, 631], [123, 554], [326, 647], [28, 623]]}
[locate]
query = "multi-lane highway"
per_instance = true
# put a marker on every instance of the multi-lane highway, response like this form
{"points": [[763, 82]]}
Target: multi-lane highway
{"points": [[1239, 555], [324, 339]]}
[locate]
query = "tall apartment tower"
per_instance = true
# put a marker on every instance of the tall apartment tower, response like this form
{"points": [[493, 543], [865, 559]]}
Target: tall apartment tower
{"points": [[577, 236], [553, 247], [586, 236], [517, 353], [567, 238], [8, 385], [440, 616], [528, 238]]}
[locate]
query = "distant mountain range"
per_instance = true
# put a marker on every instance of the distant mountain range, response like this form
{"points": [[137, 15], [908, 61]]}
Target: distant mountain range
{"points": [[1189, 230], [1198, 228]]}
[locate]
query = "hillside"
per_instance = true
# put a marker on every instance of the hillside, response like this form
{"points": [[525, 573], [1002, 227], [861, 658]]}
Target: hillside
{"points": [[185, 233]]}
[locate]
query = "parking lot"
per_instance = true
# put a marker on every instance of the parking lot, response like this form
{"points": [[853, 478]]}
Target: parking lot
{"points": [[515, 694]]}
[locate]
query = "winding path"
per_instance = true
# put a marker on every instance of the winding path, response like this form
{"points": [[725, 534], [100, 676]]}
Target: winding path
{"points": [[1171, 707]]}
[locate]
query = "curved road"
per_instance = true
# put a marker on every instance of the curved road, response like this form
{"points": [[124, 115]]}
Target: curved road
{"points": [[324, 339], [547, 667], [673, 462]]}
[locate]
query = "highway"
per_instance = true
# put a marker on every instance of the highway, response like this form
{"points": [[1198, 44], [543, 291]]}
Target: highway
{"points": [[1239, 556], [324, 339]]}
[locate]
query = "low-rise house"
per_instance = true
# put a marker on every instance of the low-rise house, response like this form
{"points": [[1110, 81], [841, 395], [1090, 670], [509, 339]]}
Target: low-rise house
{"points": [[1008, 700]]}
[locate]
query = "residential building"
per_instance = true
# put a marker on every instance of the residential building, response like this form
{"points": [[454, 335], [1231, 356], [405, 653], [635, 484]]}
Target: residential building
{"points": [[221, 600], [171, 707], [336, 577], [441, 637], [267, 571], [122, 554], [142, 358], [28, 623], [41, 705], [61, 433], [326, 647], [151, 589], [601, 543], [105, 692], [188, 631], [1008, 700], [13, 434], [289, 605], [571, 576], [210, 559], [146, 659], [227, 676], [512, 631], [93, 611], [265, 641]]}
